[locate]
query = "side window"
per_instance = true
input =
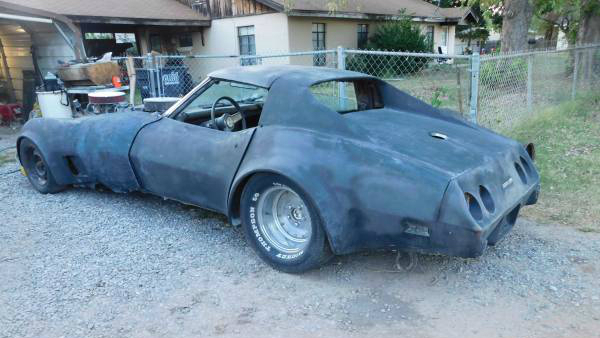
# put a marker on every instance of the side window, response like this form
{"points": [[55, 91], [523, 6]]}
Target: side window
{"points": [[348, 96], [241, 93]]}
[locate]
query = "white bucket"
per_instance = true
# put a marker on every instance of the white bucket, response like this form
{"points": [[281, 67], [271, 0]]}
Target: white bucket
{"points": [[54, 105]]}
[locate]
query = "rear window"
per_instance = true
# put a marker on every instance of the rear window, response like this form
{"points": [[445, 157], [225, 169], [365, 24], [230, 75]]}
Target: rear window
{"points": [[347, 96]]}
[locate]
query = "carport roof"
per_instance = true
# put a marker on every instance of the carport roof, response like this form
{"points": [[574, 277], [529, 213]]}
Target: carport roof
{"points": [[165, 10]]}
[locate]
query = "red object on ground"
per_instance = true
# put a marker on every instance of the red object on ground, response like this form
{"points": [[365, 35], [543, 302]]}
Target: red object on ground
{"points": [[9, 112], [116, 81]]}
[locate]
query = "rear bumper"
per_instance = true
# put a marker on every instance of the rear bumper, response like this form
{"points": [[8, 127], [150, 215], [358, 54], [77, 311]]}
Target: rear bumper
{"points": [[454, 240]]}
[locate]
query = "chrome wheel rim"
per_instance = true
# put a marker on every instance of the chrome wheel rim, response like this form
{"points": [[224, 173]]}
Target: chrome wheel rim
{"points": [[284, 220]]}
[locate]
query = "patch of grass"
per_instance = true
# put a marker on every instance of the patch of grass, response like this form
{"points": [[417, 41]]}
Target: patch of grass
{"points": [[567, 139]]}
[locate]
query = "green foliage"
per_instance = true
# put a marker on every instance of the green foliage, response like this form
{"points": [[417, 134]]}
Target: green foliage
{"points": [[473, 33], [494, 74], [399, 36], [567, 139], [437, 96]]}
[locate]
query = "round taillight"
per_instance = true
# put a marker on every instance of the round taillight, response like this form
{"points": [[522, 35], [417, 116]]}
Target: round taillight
{"points": [[530, 148], [474, 207], [487, 199], [526, 166], [521, 173]]}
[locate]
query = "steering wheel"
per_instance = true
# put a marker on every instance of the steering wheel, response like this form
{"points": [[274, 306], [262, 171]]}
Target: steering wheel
{"points": [[227, 121]]}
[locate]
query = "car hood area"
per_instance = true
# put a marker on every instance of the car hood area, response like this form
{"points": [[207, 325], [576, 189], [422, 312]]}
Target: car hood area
{"points": [[450, 145]]}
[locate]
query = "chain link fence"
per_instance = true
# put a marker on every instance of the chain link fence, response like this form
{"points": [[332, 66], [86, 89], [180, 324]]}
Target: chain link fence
{"points": [[440, 80], [511, 86], [493, 90]]}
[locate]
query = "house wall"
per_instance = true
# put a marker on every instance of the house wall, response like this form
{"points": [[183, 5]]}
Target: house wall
{"points": [[50, 48], [339, 32], [276, 33], [438, 32], [271, 36], [343, 32], [17, 49]]}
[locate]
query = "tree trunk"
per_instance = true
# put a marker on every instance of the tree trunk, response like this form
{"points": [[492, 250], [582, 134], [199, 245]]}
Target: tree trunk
{"points": [[589, 32], [589, 26], [515, 25]]}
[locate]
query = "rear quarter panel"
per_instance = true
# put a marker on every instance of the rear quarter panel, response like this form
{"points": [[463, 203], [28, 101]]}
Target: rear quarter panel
{"points": [[364, 195]]}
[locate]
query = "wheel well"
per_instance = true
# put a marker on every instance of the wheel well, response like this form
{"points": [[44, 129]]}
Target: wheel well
{"points": [[236, 199], [19, 140]]}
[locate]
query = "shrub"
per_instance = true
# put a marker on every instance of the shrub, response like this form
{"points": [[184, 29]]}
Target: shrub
{"points": [[504, 73], [397, 36]]}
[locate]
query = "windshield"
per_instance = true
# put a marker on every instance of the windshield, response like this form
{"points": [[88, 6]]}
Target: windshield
{"points": [[241, 93]]}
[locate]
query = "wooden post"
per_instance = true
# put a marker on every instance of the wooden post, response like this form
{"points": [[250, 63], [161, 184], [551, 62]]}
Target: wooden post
{"points": [[132, 79], [459, 88], [12, 97]]}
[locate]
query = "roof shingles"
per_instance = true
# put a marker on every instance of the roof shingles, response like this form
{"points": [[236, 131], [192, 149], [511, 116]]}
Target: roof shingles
{"points": [[134, 9], [416, 8]]}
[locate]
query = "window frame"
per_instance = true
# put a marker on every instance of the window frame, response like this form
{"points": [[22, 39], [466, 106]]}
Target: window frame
{"points": [[430, 33], [319, 43], [247, 44], [362, 35]]}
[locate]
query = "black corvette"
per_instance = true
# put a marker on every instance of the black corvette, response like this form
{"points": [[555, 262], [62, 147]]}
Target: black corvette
{"points": [[310, 161]]}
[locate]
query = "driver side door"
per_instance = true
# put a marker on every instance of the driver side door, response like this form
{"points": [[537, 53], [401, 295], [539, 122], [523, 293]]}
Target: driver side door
{"points": [[189, 163]]}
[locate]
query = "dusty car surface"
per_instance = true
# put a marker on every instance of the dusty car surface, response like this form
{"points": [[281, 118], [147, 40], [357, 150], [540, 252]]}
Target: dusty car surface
{"points": [[310, 161]]}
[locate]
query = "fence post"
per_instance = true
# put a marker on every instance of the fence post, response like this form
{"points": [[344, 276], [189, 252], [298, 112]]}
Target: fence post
{"points": [[529, 83], [475, 65], [341, 64], [151, 73], [341, 58], [160, 83], [575, 74]]}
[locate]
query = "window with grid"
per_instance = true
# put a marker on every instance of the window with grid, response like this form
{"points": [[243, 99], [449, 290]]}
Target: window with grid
{"points": [[247, 43], [318, 40], [362, 36], [429, 34]]}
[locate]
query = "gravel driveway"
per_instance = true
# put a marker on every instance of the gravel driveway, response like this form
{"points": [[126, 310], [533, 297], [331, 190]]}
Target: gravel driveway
{"points": [[97, 264]]}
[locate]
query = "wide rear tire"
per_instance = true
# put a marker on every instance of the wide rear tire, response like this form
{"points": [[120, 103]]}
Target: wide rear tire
{"points": [[282, 224], [36, 168]]}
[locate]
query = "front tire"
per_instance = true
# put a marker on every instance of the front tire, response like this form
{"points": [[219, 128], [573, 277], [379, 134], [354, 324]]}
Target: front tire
{"points": [[36, 167], [282, 225]]}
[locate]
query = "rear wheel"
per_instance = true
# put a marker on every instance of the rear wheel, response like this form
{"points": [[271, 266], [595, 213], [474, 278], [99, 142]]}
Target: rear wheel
{"points": [[37, 169], [282, 225]]}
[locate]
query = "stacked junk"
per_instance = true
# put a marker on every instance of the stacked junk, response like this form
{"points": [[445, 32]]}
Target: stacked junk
{"points": [[83, 89]]}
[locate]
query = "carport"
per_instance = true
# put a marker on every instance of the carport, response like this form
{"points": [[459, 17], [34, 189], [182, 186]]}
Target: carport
{"points": [[32, 43]]}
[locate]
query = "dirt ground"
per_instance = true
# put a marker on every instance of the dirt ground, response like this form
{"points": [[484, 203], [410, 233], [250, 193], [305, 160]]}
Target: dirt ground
{"points": [[97, 264]]}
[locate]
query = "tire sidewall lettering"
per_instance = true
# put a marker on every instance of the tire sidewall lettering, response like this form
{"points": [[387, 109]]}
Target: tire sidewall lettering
{"points": [[263, 244]]}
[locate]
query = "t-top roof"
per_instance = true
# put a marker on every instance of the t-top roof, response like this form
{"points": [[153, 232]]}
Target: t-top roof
{"points": [[264, 76]]}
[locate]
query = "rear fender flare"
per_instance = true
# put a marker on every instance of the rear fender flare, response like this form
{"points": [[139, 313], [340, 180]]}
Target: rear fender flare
{"points": [[318, 195]]}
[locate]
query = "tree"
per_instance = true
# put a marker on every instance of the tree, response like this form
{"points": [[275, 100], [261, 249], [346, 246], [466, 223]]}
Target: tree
{"points": [[517, 16], [552, 16], [589, 24]]}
